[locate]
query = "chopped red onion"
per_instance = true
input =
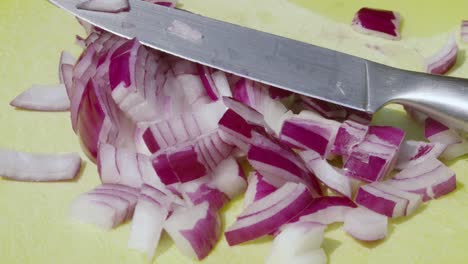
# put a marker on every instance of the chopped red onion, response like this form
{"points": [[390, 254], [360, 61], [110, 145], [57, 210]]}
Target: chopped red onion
{"points": [[229, 178], [430, 178], [455, 150], [182, 128], [349, 135], [326, 109], [119, 166], [256, 95], [444, 59], [435, 131], [377, 22], [43, 98], [65, 59], [250, 226], [109, 6], [166, 3], [194, 230], [221, 82], [464, 31], [374, 157], [150, 213], [258, 187], [205, 74], [279, 163], [36, 167], [363, 224], [414, 152], [326, 173], [386, 200], [306, 132], [298, 243], [185, 31], [105, 206], [325, 210]]}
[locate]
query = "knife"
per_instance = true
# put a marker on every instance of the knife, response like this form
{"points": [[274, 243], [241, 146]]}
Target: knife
{"points": [[285, 63]]}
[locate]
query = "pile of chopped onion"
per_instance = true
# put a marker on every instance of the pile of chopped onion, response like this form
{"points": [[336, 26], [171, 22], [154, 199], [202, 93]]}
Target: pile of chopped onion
{"points": [[169, 136]]}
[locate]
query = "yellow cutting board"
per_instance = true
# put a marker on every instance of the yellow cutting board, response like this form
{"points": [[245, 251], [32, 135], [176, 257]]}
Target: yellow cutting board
{"points": [[34, 227]]}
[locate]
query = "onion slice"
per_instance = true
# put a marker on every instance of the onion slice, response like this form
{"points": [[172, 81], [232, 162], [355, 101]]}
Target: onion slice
{"points": [[377, 22], [435, 131], [444, 59], [36, 167], [326, 173], [325, 210], [430, 178], [109, 6], [194, 230], [464, 31], [298, 243], [43, 98], [363, 224], [252, 225], [414, 152], [106, 206], [150, 213]]}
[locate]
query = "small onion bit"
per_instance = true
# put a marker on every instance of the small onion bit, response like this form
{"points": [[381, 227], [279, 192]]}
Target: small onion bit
{"points": [[38, 167], [108, 6], [377, 22], [43, 98], [298, 243], [444, 60], [365, 225], [464, 31], [106, 206]]}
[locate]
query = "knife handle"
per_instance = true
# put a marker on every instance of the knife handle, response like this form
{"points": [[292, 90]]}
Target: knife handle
{"points": [[443, 98]]}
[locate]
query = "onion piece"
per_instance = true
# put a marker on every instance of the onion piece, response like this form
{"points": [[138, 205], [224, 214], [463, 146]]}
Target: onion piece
{"points": [[257, 96], [381, 202], [166, 3], [258, 188], [150, 213], [210, 87], [194, 230], [298, 243], [374, 157], [119, 166], [363, 224], [184, 31], [326, 109], [349, 134], [414, 152], [430, 178], [435, 131], [43, 98], [36, 167], [455, 150], [376, 22], [464, 31], [326, 173], [279, 163], [305, 133], [183, 128], [221, 82], [229, 178], [105, 206], [252, 226], [444, 59], [325, 210], [65, 59], [109, 6]]}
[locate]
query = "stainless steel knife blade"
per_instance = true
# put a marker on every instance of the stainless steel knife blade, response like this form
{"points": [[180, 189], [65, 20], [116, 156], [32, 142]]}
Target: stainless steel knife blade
{"points": [[289, 64]]}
